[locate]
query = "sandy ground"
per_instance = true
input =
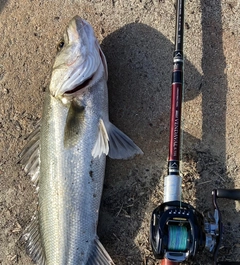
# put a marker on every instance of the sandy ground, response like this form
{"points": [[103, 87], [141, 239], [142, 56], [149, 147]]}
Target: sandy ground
{"points": [[137, 39]]}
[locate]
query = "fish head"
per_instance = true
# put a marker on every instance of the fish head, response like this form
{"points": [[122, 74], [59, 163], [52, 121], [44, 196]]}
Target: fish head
{"points": [[79, 63]]}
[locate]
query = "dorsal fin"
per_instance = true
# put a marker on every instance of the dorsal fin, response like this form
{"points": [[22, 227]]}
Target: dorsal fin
{"points": [[29, 157]]}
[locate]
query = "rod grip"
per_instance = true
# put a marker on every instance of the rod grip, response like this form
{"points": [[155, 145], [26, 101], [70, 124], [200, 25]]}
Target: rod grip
{"points": [[228, 263], [232, 194], [168, 262]]}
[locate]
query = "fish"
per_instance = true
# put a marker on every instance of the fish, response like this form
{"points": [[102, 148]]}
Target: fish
{"points": [[66, 154]]}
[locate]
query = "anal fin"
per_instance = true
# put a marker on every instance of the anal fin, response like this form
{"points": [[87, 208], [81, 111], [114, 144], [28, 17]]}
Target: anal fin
{"points": [[32, 241]]}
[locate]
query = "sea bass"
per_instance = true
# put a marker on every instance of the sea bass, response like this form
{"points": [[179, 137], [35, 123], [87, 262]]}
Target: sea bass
{"points": [[66, 154]]}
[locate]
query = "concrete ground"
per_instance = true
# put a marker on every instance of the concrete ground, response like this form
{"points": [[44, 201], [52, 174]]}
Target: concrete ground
{"points": [[137, 38]]}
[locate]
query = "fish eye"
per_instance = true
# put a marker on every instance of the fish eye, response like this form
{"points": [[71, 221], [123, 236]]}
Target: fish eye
{"points": [[60, 45]]}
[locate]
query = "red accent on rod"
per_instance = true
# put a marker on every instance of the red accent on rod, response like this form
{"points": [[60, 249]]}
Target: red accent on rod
{"points": [[175, 122]]}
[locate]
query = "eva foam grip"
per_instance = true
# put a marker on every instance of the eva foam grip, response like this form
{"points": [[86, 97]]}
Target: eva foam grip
{"points": [[228, 263]]}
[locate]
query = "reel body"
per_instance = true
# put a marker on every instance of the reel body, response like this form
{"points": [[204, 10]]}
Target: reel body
{"points": [[178, 231]]}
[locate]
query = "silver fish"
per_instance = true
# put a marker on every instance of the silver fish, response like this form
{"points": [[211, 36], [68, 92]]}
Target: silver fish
{"points": [[66, 154]]}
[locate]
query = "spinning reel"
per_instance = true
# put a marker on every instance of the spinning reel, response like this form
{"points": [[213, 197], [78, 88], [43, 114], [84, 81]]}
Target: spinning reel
{"points": [[179, 231]]}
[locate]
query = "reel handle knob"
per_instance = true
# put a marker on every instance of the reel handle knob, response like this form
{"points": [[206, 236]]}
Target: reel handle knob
{"points": [[232, 194]]}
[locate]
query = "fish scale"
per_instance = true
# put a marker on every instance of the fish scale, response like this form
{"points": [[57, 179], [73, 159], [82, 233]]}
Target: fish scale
{"points": [[69, 211]]}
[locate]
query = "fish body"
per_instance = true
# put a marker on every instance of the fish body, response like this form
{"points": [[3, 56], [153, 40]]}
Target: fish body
{"points": [[66, 155]]}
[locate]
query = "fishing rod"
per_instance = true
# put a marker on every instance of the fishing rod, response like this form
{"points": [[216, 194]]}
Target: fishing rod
{"points": [[178, 231]]}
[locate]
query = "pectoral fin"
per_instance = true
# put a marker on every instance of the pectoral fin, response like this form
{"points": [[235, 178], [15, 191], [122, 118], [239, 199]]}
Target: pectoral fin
{"points": [[120, 145], [101, 146], [114, 143], [74, 124], [99, 255]]}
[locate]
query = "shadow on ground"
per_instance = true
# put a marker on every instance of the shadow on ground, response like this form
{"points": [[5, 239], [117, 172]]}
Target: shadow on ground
{"points": [[211, 155], [140, 65], [2, 4]]}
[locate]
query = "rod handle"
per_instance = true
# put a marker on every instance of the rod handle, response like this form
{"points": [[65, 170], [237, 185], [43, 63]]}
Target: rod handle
{"points": [[228, 263], [168, 262], [232, 194]]}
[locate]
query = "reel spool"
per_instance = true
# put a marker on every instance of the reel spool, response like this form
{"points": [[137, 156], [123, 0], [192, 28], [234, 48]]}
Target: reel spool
{"points": [[176, 231], [178, 238]]}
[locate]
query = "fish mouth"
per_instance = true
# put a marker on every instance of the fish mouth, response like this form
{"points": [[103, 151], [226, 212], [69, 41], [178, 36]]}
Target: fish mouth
{"points": [[83, 85]]}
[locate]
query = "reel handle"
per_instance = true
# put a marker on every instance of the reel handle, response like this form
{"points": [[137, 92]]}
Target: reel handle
{"points": [[231, 194]]}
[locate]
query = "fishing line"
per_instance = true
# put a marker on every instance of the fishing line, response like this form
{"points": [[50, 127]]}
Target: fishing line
{"points": [[177, 238], [182, 109]]}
